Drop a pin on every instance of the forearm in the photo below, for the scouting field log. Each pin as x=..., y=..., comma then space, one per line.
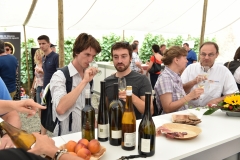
x=174, y=106
x=66, y=156
x=138, y=103
x=13, y=119
x=67, y=101
x=189, y=85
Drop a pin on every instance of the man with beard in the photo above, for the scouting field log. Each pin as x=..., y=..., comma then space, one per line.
x=122, y=54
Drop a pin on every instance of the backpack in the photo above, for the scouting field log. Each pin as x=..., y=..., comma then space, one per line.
x=46, y=114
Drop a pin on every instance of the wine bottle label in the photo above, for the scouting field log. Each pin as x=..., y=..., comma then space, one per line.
x=128, y=92
x=129, y=139
x=145, y=145
x=102, y=130
x=116, y=134
x=1, y=120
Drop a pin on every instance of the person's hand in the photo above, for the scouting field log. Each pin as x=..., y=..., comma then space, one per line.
x=122, y=95
x=6, y=142
x=199, y=78
x=89, y=73
x=214, y=101
x=195, y=94
x=44, y=145
x=27, y=106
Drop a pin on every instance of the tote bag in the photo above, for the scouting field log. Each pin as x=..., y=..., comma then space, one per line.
x=155, y=67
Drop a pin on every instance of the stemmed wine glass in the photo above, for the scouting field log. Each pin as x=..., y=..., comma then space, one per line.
x=95, y=65
x=205, y=70
x=122, y=84
x=201, y=81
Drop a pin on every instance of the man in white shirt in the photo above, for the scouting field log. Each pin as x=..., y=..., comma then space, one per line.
x=85, y=49
x=219, y=79
x=136, y=61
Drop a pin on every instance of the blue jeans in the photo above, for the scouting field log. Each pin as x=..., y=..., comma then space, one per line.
x=38, y=98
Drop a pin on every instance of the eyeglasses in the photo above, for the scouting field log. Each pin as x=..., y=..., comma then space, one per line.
x=209, y=55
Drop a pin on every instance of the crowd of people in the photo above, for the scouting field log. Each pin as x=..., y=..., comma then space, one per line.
x=176, y=86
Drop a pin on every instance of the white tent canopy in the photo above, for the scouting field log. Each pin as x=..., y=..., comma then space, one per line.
x=162, y=16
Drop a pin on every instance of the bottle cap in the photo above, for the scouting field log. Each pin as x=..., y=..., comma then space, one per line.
x=1, y=120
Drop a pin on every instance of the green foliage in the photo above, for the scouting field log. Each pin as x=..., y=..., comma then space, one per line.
x=129, y=39
x=68, y=50
x=24, y=74
x=106, y=44
x=174, y=41
x=146, y=50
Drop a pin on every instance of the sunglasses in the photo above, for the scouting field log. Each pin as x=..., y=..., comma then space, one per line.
x=7, y=49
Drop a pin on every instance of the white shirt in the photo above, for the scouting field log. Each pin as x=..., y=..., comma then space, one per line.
x=135, y=58
x=237, y=75
x=58, y=90
x=220, y=81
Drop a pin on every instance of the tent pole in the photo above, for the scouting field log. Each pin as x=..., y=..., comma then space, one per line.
x=203, y=23
x=26, y=52
x=123, y=36
x=60, y=33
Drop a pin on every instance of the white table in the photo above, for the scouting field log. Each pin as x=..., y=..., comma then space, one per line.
x=219, y=139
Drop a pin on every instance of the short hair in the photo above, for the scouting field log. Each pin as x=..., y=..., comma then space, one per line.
x=186, y=44
x=237, y=54
x=134, y=46
x=38, y=52
x=123, y=45
x=210, y=43
x=162, y=45
x=83, y=42
x=44, y=37
x=172, y=52
x=155, y=48
x=2, y=45
x=8, y=45
x=135, y=41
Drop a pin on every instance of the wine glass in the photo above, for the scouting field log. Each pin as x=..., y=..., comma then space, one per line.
x=205, y=70
x=95, y=65
x=122, y=84
x=201, y=81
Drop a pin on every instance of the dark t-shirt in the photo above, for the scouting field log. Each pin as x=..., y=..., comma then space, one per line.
x=50, y=65
x=140, y=84
x=18, y=154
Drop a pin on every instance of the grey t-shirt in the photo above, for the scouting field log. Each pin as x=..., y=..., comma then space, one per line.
x=140, y=84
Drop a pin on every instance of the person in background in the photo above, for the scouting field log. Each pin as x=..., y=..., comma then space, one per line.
x=122, y=54
x=234, y=67
x=9, y=50
x=169, y=91
x=136, y=42
x=53, y=47
x=8, y=69
x=136, y=61
x=156, y=57
x=11, y=117
x=162, y=49
x=50, y=63
x=191, y=56
x=38, y=79
x=219, y=78
x=85, y=48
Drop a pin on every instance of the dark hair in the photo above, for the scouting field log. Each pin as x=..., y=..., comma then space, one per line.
x=83, y=42
x=210, y=43
x=44, y=37
x=155, y=48
x=2, y=49
x=237, y=54
x=124, y=45
x=186, y=44
x=172, y=52
x=8, y=45
x=135, y=41
x=134, y=46
x=162, y=45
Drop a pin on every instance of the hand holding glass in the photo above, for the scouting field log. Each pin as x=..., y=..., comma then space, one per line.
x=122, y=84
x=95, y=65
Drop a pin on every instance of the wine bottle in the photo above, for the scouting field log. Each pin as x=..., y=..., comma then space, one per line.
x=146, y=130
x=88, y=118
x=20, y=138
x=103, y=115
x=128, y=123
x=115, y=119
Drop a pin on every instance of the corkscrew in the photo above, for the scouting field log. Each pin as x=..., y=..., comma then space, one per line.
x=131, y=157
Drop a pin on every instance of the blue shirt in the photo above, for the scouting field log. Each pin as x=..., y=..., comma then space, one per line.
x=4, y=94
x=50, y=65
x=8, y=68
x=192, y=56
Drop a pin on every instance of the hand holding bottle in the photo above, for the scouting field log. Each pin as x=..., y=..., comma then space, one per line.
x=122, y=95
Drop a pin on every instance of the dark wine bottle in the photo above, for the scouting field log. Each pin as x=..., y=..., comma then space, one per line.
x=115, y=119
x=88, y=118
x=146, y=130
x=103, y=124
x=128, y=123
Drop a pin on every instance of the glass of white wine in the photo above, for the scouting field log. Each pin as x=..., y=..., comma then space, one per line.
x=201, y=81
x=205, y=70
x=122, y=84
x=95, y=65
